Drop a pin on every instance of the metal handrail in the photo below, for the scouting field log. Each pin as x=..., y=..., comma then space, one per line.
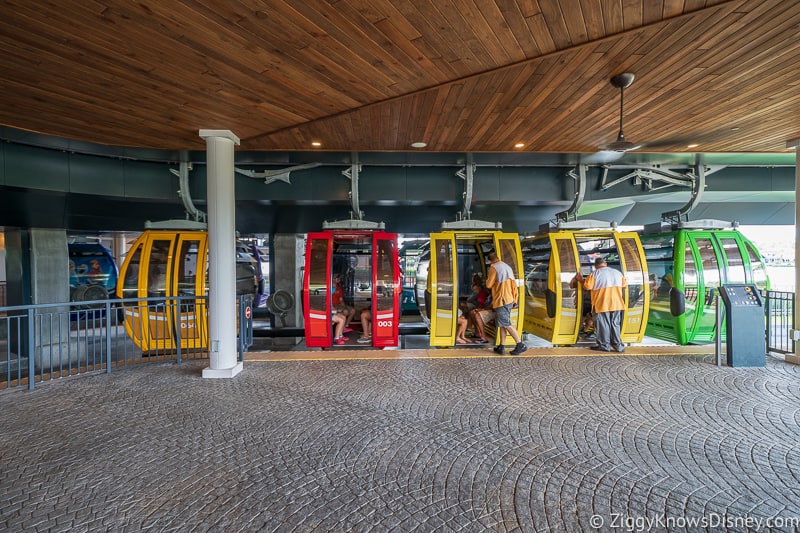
x=42, y=342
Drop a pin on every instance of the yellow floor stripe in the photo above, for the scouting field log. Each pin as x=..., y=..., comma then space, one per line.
x=466, y=353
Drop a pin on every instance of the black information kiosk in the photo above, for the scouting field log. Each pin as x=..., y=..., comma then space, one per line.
x=744, y=325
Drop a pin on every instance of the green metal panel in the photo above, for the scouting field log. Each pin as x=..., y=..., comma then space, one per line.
x=433, y=184
x=383, y=184
x=35, y=168
x=143, y=179
x=531, y=184
x=320, y=184
x=409, y=191
x=96, y=175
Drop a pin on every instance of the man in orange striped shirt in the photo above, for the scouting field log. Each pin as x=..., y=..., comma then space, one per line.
x=504, y=297
x=608, y=302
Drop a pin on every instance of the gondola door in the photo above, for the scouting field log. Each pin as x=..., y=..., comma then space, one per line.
x=509, y=251
x=703, y=327
x=387, y=288
x=189, y=278
x=130, y=275
x=154, y=283
x=442, y=277
x=316, y=290
x=148, y=324
x=729, y=258
x=551, y=310
x=565, y=299
x=637, y=298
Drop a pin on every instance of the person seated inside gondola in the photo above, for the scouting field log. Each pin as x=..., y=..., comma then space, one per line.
x=480, y=295
x=584, y=309
x=337, y=302
x=338, y=319
x=587, y=322
x=477, y=299
x=481, y=316
x=366, y=326
x=461, y=329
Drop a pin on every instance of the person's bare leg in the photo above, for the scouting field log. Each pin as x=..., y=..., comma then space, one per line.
x=480, y=327
x=338, y=321
x=462, y=328
x=366, y=326
x=471, y=325
x=348, y=316
x=513, y=332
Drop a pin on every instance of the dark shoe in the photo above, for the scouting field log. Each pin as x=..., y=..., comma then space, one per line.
x=599, y=348
x=519, y=348
x=621, y=349
x=500, y=350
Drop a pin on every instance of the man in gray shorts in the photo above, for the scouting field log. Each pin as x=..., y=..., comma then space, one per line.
x=504, y=297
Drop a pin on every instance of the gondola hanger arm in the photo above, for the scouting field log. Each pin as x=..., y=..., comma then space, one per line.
x=357, y=220
x=468, y=175
x=352, y=173
x=571, y=213
x=649, y=175
x=281, y=174
x=183, y=191
x=698, y=186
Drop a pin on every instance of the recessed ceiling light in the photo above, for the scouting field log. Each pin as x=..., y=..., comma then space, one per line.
x=519, y=145
x=316, y=143
x=419, y=144
x=692, y=145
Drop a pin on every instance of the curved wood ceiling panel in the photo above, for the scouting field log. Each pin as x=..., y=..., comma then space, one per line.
x=376, y=75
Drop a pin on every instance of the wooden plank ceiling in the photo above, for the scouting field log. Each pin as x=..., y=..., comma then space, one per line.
x=377, y=75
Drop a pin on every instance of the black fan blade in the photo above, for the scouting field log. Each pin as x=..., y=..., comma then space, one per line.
x=682, y=142
x=602, y=157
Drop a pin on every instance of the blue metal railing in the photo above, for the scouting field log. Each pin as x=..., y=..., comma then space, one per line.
x=779, y=312
x=44, y=342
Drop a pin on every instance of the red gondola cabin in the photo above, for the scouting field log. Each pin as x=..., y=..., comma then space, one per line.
x=366, y=263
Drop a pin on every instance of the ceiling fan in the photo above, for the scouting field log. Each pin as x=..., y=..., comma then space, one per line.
x=616, y=149
x=621, y=82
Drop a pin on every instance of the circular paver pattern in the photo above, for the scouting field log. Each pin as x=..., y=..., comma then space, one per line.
x=495, y=444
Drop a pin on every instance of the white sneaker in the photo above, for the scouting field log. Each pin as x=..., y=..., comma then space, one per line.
x=364, y=340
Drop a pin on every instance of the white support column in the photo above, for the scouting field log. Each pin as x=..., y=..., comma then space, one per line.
x=120, y=247
x=796, y=332
x=222, y=352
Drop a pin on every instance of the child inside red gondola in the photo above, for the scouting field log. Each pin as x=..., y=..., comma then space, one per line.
x=341, y=313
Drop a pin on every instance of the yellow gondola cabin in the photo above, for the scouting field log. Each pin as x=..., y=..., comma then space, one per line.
x=445, y=272
x=554, y=305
